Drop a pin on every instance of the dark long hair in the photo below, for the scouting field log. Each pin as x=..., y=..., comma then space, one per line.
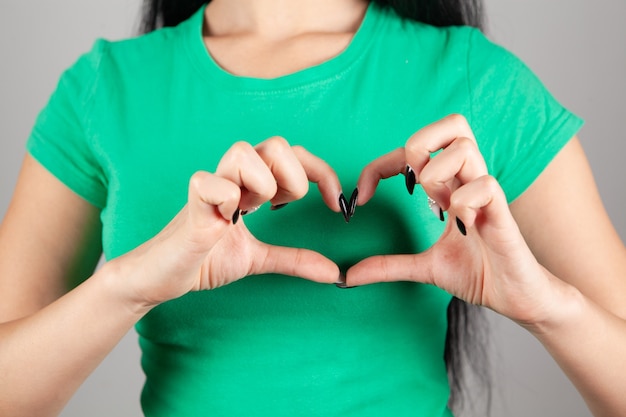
x=467, y=334
x=160, y=13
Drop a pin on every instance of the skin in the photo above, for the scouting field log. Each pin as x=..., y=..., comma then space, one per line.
x=562, y=283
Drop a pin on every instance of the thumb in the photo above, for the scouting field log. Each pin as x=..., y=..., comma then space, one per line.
x=296, y=262
x=388, y=268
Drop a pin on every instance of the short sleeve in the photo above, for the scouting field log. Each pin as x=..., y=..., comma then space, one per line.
x=519, y=125
x=61, y=139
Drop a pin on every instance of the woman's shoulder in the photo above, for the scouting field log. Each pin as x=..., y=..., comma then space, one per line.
x=418, y=32
x=444, y=51
x=464, y=42
x=140, y=52
x=136, y=54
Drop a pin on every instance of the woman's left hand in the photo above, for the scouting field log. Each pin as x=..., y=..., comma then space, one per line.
x=481, y=257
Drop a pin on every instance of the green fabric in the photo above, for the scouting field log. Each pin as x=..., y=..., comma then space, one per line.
x=131, y=121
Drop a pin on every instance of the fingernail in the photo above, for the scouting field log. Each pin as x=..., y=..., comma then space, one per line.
x=249, y=211
x=409, y=177
x=343, y=204
x=236, y=216
x=341, y=283
x=461, y=227
x=353, y=200
x=277, y=206
x=436, y=209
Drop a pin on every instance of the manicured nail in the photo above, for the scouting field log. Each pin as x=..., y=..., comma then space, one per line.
x=341, y=283
x=249, y=211
x=236, y=216
x=409, y=177
x=436, y=209
x=345, y=210
x=461, y=227
x=277, y=206
x=353, y=200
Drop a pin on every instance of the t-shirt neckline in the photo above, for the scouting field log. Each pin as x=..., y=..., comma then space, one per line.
x=322, y=72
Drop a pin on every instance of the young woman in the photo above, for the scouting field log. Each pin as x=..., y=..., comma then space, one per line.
x=157, y=150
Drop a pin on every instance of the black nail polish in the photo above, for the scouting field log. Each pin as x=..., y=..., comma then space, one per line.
x=341, y=283
x=343, y=204
x=409, y=177
x=353, y=200
x=277, y=206
x=236, y=216
x=461, y=227
x=249, y=211
x=443, y=219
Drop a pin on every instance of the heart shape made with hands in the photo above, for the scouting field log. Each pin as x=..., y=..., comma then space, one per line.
x=227, y=248
x=383, y=226
x=383, y=241
x=279, y=173
x=444, y=158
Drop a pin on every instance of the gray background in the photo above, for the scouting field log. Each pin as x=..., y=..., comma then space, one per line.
x=577, y=47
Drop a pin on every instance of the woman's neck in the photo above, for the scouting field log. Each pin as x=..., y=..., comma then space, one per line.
x=271, y=38
x=282, y=19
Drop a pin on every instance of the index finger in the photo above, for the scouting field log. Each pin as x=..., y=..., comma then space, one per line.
x=429, y=139
x=386, y=166
x=319, y=172
x=416, y=154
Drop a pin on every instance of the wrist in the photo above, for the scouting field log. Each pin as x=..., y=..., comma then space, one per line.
x=564, y=306
x=116, y=281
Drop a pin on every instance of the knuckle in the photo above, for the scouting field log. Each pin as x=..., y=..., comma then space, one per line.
x=412, y=145
x=491, y=184
x=197, y=179
x=298, y=149
x=239, y=150
x=458, y=119
x=465, y=144
x=275, y=145
x=278, y=141
x=415, y=149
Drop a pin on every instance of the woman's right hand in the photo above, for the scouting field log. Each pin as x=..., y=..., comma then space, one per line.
x=207, y=245
x=200, y=249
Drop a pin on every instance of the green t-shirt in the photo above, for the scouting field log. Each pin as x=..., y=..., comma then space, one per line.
x=131, y=121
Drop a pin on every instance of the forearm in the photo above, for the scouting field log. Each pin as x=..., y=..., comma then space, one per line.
x=588, y=343
x=46, y=356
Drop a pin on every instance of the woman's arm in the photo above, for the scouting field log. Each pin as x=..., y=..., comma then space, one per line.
x=49, y=236
x=566, y=226
x=48, y=231
x=564, y=222
x=565, y=285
